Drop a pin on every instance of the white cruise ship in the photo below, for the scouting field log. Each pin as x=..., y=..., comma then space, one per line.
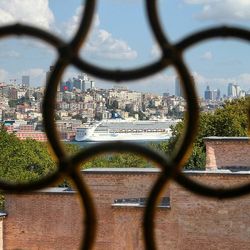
x=125, y=130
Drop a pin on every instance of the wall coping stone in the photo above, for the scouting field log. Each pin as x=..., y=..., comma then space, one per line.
x=132, y=171
x=223, y=138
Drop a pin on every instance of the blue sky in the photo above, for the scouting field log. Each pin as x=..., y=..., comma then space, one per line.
x=121, y=38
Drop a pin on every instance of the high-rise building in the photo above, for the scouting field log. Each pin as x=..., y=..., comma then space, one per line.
x=208, y=93
x=83, y=78
x=26, y=81
x=238, y=90
x=92, y=84
x=178, y=87
x=77, y=83
x=211, y=94
x=231, y=90
x=217, y=94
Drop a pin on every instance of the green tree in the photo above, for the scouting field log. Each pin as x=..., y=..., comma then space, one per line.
x=229, y=120
x=23, y=161
x=118, y=160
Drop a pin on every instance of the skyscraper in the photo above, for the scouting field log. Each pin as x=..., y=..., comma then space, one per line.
x=83, y=78
x=211, y=94
x=231, y=90
x=178, y=87
x=208, y=93
x=26, y=81
x=92, y=84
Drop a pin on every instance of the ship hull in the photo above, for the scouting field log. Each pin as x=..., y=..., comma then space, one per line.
x=105, y=138
x=125, y=131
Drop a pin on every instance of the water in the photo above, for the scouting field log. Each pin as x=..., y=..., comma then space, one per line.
x=84, y=144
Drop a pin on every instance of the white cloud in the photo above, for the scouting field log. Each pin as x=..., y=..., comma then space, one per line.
x=9, y=54
x=72, y=25
x=226, y=10
x=104, y=45
x=101, y=43
x=33, y=12
x=155, y=51
x=207, y=56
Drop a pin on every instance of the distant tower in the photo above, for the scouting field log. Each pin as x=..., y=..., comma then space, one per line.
x=207, y=93
x=229, y=89
x=26, y=81
x=218, y=94
x=238, y=90
x=232, y=90
x=178, y=87
x=83, y=78
x=92, y=84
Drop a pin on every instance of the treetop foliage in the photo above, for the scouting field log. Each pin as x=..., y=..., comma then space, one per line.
x=231, y=120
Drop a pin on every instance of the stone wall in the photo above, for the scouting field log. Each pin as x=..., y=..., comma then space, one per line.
x=53, y=220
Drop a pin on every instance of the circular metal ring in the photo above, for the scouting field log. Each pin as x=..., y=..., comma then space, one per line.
x=68, y=53
x=170, y=56
x=193, y=39
x=89, y=220
x=149, y=213
x=84, y=26
x=201, y=189
x=160, y=159
x=19, y=29
x=127, y=75
x=182, y=152
x=154, y=22
x=184, y=146
x=171, y=168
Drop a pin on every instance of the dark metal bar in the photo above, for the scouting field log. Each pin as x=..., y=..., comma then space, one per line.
x=68, y=166
x=89, y=217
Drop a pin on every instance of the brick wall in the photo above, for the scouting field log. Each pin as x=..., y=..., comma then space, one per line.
x=1, y=233
x=227, y=152
x=48, y=220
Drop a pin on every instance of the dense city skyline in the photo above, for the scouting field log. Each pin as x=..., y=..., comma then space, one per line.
x=118, y=44
x=89, y=82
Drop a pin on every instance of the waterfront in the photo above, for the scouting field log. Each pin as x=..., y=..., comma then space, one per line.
x=84, y=144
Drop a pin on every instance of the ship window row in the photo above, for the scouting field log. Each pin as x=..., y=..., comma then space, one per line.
x=137, y=130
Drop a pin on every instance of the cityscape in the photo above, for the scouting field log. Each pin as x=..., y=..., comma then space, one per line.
x=182, y=185
x=80, y=102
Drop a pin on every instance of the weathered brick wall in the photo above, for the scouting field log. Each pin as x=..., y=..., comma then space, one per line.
x=42, y=221
x=1, y=233
x=200, y=223
x=53, y=220
x=223, y=152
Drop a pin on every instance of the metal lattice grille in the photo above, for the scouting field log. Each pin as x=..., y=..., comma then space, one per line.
x=171, y=55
